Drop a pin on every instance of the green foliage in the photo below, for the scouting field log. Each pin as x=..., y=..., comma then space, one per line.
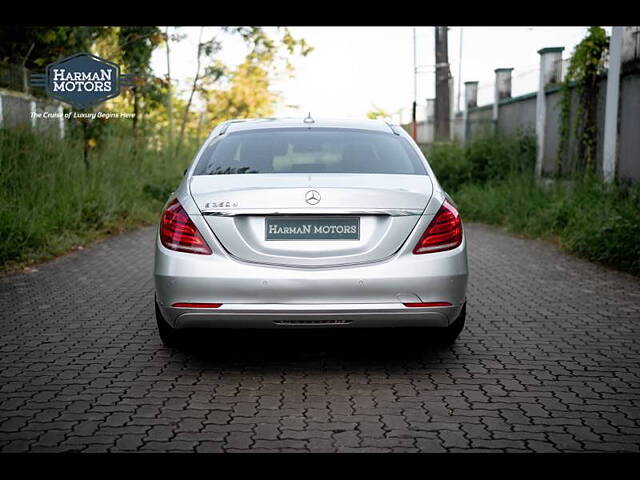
x=498, y=156
x=265, y=49
x=136, y=45
x=245, y=91
x=35, y=47
x=587, y=218
x=491, y=179
x=50, y=203
x=450, y=164
x=586, y=64
x=378, y=112
x=485, y=158
x=247, y=95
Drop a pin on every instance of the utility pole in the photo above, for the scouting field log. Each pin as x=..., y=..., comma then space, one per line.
x=443, y=99
x=414, y=126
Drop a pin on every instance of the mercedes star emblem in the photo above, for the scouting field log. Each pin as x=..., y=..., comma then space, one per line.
x=312, y=197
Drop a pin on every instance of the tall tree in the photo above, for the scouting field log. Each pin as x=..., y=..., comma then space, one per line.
x=244, y=91
x=246, y=94
x=137, y=45
x=205, y=49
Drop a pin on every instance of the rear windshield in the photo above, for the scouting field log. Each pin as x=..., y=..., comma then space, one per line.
x=316, y=150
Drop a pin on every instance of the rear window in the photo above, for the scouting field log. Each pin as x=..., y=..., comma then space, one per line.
x=317, y=150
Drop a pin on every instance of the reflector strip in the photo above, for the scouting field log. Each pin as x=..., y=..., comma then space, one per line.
x=197, y=305
x=428, y=304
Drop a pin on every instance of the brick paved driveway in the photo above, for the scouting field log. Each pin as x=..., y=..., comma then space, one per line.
x=549, y=361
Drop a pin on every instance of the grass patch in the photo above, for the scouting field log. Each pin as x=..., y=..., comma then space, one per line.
x=50, y=202
x=585, y=217
x=491, y=180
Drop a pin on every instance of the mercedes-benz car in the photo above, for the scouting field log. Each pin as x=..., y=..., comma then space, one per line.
x=304, y=223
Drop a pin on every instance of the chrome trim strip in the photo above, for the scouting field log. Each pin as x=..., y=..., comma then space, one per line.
x=392, y=212
x=306, y=266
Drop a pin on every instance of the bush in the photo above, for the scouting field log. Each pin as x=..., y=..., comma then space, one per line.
x=450, y=164
x=497, y=157
x=483, y=159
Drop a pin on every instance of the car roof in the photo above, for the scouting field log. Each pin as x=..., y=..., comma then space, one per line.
x=299, y=122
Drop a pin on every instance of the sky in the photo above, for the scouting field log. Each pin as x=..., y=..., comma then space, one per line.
x=353, y=70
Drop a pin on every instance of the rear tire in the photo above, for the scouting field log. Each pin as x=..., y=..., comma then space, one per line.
x=170, y=336
x=448, y=335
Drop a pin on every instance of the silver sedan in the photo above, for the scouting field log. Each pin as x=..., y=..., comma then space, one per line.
x=287, y=223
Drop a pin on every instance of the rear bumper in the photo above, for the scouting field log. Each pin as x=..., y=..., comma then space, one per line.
x=267, y=296
x=306, y=316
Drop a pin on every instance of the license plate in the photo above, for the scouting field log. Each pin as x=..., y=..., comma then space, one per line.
x=312, y=228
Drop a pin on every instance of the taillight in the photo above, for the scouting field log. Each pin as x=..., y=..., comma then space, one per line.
x=443, y=233
x=177, y=231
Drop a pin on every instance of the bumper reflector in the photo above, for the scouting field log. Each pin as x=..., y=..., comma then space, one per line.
x=196, y=305
x=428, y=304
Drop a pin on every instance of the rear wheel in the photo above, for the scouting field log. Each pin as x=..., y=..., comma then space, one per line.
x=170, y=336
x=448, y=335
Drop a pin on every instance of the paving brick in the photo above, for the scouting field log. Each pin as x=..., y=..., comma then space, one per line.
x=308, y=434
x=210, y=447
x=160, y=433
x=240, y=440
x=129, y=443
x=13, y=424
x=429, y=445
x=16, y=446
x=174, y=445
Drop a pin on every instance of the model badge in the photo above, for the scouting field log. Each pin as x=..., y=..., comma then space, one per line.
x=312, y=197
x=220, y=204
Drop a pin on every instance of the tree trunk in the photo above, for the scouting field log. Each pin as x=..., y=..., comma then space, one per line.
x=185, y=117
x=85, y=143
x=169, y=93
x=136, y=108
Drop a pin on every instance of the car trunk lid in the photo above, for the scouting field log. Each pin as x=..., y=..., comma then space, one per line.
x=274, y=218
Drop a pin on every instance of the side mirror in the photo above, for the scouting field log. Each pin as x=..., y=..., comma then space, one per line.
x=185, y=172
